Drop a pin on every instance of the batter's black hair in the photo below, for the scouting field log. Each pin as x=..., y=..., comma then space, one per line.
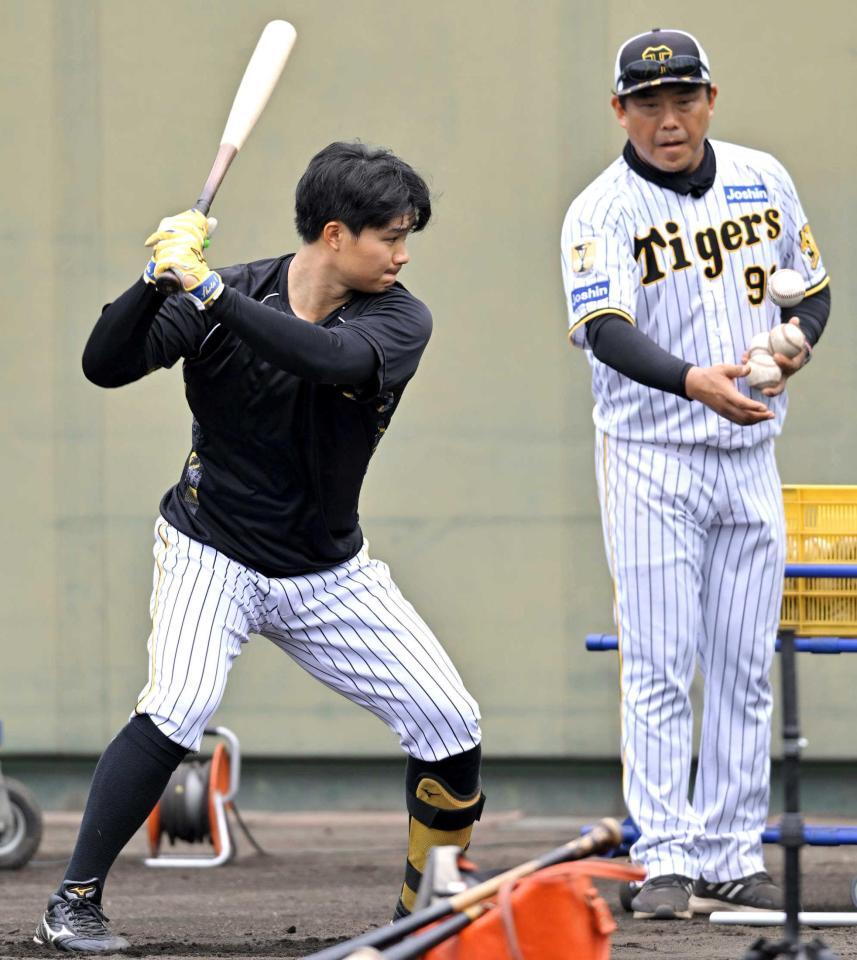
x=361, y=186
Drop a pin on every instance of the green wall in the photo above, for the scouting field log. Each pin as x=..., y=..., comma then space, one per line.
x=482, y=498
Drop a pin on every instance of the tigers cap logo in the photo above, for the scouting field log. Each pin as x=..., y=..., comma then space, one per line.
x=660, y=53
x=583, y=256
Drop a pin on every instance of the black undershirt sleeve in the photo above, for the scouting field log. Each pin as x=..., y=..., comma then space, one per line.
x=115, y=352
x=813, y=313
x=142, y=331
x=623, y=347
x=320, y=354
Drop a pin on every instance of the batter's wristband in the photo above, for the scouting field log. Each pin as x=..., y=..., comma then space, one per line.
x=431, y=816
x=209, y=290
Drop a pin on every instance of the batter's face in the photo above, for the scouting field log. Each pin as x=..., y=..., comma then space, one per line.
x=370, y=261
x=667, y=124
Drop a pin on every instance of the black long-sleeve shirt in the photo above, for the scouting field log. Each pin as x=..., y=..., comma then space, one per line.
x=286, y=413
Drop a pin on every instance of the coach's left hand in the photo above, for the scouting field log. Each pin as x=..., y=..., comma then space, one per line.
x=788, y=365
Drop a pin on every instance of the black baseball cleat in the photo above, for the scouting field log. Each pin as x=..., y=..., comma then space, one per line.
x=756, y=892
x=75, y=922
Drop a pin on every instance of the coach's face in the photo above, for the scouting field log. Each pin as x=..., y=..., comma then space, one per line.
x=371, y=260
x=667, y=124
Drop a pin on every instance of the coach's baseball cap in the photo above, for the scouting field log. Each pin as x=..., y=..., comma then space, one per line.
x=660, y=56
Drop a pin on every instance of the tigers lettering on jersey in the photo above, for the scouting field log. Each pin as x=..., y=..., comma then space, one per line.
x=708, y=244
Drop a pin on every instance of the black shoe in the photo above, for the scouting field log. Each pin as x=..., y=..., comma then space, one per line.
x=75, y=922
x=756, y=892
x=664, y=898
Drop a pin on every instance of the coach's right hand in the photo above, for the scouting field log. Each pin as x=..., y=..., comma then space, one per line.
x=715, y=387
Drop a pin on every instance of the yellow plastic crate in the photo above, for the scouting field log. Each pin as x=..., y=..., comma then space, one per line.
x=821, y=527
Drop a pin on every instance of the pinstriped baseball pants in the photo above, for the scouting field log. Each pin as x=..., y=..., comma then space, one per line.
x=695, y=538
x=349, y=626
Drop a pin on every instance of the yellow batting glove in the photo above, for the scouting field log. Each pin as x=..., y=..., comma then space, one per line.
x=178, y=244
x=191, y=224
x=192, y=228
x=181, y=255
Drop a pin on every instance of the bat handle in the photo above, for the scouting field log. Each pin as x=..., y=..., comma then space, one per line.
x=168, y=282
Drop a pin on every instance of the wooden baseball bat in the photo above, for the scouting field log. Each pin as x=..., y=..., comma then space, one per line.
x=604, y=835
x=260, y=77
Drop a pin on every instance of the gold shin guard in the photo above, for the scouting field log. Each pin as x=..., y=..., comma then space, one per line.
x=439, y=817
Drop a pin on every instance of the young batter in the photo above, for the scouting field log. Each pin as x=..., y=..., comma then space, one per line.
x=293, y=368
x=666, y=257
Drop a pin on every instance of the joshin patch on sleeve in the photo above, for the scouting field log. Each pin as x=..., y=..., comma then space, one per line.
x=592, y=293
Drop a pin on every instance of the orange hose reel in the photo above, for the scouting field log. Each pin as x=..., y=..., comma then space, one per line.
x=194, y=805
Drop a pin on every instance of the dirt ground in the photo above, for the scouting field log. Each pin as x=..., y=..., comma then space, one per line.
x=329, y=876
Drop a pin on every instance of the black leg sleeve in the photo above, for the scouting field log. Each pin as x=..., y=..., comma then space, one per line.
x=130, y=778
x=460, y=772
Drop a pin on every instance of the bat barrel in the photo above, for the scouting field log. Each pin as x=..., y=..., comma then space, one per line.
x=260, y=77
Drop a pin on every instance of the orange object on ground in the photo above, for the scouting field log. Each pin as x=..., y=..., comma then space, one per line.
x=553, y=914
x=218, y=782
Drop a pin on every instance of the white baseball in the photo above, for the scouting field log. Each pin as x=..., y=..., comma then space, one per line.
x=760, y=344
x=787, y=339
x=786, y=287
x=764, y=372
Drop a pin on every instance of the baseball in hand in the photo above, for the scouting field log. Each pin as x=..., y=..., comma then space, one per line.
x=759, y=344
x=787, y=339
x=764, y=372
x=786, y=287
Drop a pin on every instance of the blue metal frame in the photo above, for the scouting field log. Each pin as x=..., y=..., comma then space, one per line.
x=814, y=836
x=609, y=641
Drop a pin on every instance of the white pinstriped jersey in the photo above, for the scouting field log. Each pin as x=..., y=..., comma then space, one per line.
x=692, y=274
